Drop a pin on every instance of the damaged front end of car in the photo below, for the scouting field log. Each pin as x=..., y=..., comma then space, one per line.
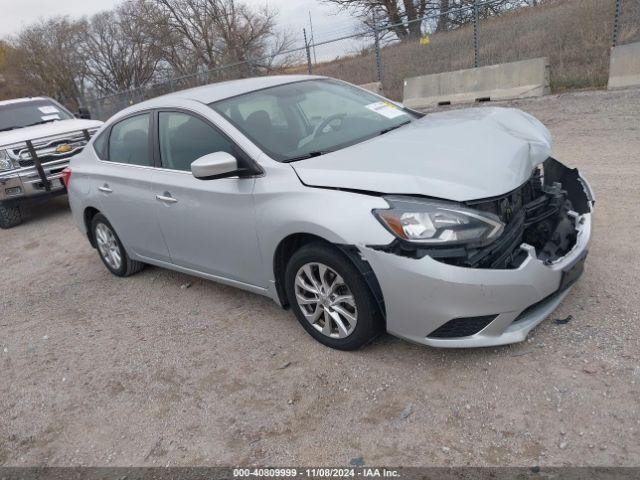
x=483, y=272
x=544, y=214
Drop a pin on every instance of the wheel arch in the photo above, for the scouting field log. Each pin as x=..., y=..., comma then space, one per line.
x=293, y=242
x=88, y=214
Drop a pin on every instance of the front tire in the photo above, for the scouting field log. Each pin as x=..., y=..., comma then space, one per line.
x=110, y=248
x=330, y=298
x=10, y=216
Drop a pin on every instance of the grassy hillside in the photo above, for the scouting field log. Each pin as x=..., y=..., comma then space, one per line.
x=574, y=34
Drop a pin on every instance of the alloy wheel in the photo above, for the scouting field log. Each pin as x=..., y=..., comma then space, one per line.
x=108, y=246
x=326, y=300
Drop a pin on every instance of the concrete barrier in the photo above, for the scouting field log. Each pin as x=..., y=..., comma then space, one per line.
x=375, y=87
x=624, y=69
x=525, y=78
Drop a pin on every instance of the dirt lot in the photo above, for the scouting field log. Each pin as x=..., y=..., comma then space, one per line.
x=97, y=370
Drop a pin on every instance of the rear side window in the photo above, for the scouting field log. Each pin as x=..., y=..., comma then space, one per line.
x=185, y=138
x=100, y=145
x=129, y=141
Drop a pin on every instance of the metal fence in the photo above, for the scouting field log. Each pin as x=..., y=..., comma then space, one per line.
x=374, y=54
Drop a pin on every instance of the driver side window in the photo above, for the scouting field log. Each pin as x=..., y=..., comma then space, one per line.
x=317, y=106
x=185, y=138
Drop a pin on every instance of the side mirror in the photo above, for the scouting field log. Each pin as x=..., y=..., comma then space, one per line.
x=215, y=165
x=83, y=113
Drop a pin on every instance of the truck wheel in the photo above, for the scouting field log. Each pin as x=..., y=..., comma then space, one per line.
x=10, y=216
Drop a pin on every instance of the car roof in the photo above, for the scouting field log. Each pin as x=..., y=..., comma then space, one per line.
x=219, y=91
x=20, y=100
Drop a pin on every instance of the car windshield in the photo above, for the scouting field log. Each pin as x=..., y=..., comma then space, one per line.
x=30, y=112
x=305, y=119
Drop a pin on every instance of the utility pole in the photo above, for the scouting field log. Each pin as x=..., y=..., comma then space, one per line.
x=476, y=35
x=616, y=23
x=376, y=38
x=306, y=47
x=313, y=39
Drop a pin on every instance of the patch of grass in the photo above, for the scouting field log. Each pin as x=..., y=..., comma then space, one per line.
x=576, y=35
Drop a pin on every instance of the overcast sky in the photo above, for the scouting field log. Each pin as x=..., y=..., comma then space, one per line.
x=293, y=15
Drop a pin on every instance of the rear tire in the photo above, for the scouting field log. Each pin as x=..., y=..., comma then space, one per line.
x=10, y=216
x=111, y=250
x=330, y=297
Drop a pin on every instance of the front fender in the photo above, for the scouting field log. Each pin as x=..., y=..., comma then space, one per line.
x=284, y=206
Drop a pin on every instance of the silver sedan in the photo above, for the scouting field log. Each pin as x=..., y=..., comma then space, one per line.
x=454, y=229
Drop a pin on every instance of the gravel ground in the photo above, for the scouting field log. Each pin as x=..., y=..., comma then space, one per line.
x=97, y=370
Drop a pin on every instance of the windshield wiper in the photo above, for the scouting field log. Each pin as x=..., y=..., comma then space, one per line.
x=387, y=130
x=316, y=153
x=9, y=128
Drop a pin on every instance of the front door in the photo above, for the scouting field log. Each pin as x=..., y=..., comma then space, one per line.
x=208, y=225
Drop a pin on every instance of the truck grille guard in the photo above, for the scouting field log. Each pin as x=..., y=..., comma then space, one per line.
x=35, y=153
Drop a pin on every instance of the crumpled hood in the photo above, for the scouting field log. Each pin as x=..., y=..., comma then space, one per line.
x=46, y=130
x=458, y=155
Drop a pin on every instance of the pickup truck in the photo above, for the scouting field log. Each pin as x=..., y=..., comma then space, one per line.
x=38, y=136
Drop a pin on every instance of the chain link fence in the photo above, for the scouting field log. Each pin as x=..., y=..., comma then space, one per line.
x=576, y=36
x=627, y=22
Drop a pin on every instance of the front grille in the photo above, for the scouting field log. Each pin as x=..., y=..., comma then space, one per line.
x=536, y=214
x=514, y=210
x=504, y=251
x=508, y=206
x=462, y=327
x=49, y=158
x=46, y=148
x=532, y=214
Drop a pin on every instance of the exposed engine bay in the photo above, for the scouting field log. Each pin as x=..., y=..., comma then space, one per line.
x=542, y=213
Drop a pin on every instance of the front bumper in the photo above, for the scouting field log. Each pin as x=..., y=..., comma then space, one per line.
x=421, y=295
x=25, y=184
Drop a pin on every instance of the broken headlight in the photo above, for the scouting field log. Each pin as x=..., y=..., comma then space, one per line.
x=438, y=223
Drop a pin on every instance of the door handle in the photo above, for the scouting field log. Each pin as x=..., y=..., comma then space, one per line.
x=105, y=188
x=167, y=199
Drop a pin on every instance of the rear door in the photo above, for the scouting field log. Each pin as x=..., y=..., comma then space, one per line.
x=208, y=225
x=124, y=187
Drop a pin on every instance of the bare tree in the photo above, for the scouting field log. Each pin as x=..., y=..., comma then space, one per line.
x=248, y=35
x=462, y=11
x=410, y=19
x=204, y=34
x=142, y=41
x=118, y=52
x=47, y=58
x=400, y=17
x=442, y=23
x=10, y=84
